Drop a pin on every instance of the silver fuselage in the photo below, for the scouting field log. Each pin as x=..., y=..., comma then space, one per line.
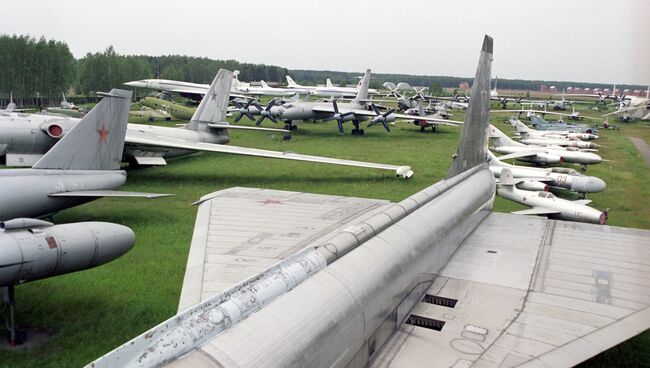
x=26, y=192
x=304, y=110
x=24, y=138
x=576, y=183
x=568, y=210
x=553, y=156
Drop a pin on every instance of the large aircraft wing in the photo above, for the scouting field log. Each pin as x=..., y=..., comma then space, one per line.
x=518, y=291
x=532, y=292
x=142, y=138
x=107, y=193
x=246, y=230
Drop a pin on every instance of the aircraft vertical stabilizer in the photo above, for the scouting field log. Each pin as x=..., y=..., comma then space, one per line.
x=471, y=149
x=214, y=105
x=362, y=91
x=97, y=142
x=291, y=82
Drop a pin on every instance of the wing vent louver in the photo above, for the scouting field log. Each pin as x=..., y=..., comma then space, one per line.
x=440, y=300
x=430, y=323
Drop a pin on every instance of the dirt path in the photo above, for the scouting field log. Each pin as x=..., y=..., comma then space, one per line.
x=643, y=148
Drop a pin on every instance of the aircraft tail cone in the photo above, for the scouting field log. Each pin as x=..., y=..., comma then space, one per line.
x=604, y=216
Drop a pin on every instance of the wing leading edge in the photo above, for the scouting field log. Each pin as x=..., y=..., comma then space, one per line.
x=148, y=139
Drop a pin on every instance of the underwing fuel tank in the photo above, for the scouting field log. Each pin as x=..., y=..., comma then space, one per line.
x=33, y=249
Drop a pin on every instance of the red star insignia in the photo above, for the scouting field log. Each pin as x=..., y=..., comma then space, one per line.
x=269, y=201
x=103, y=134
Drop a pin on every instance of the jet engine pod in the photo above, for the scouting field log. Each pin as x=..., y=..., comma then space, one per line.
x=36, y=253
x=532, y=185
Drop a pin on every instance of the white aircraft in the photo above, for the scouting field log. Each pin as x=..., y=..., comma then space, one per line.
x=636, y=107
x=264, y=90
x=196, y=91
x=330, y=90
x=545, y=138
x=537, y=178
x=530, y=132
x=538, y=155
x=547, y=204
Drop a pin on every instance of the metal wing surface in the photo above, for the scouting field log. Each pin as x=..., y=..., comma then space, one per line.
x=108, y=193
x=242, y=231
x=142, y=138
x=527, y=291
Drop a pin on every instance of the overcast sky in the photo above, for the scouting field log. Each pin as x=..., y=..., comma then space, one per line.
x=602, y=41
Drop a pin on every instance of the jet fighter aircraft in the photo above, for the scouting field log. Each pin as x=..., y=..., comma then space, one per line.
x=537, y=178
x=546, y=204
x=539, y=155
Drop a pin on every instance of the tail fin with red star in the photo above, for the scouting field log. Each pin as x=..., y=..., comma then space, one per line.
x=97, y=142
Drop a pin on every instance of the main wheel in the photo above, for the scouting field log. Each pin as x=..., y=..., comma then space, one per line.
x=362, y=132
x=294, y=128
x=422, y=128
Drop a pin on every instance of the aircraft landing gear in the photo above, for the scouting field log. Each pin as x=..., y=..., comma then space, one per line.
x=422, y=128
x=357, y=130
x=583, y=168
x=288, y=125
x=14, y=336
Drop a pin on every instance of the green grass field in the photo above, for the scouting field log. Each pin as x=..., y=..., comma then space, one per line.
x=89, y=313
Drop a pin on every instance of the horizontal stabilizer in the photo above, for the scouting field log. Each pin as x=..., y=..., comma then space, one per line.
x=108, y=193
x=536, y=211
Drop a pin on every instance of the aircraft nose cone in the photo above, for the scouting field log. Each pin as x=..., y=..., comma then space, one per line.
x=113, y=240
x=594, y=158
x=596, y=184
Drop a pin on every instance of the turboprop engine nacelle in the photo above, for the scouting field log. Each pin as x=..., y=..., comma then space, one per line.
x=34, y=249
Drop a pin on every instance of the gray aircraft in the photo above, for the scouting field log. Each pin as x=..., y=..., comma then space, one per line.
x=565, y=134
x=545, y=138
x=544, y=203
x=29, y=136
x=539, y=155
x=356, y=111
x=34, y=249
x=434, y=280
x=537, y=178
x=81, y=167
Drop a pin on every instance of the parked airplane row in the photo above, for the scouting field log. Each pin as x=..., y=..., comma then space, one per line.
x=382, y=284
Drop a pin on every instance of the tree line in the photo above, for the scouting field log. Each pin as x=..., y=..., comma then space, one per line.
x=435, y=83
x=44, y=68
